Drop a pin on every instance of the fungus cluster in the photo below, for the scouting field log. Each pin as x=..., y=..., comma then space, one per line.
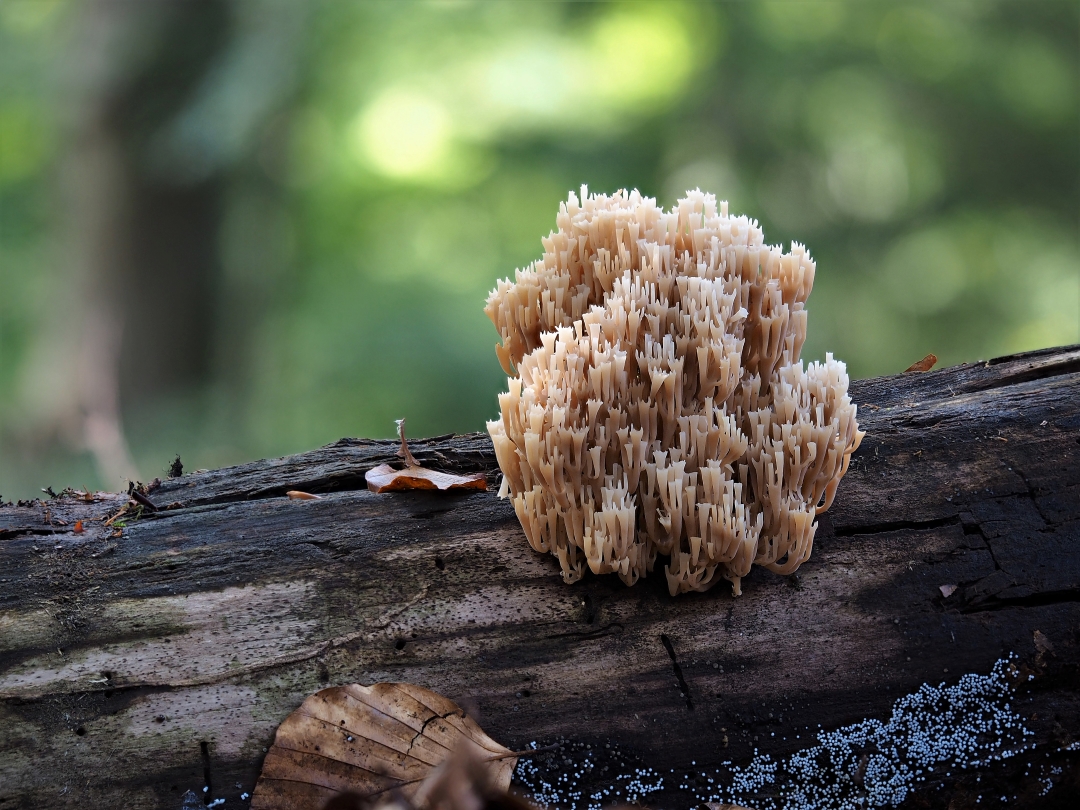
x=657, y=403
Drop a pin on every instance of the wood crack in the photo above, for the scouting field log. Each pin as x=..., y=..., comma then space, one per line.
x=423, y=727
x=895, y=526
x=1058, y=365
x=22, y=531
x=677, y=670
x=1031, y=494
x=613, y=628
x=1042, y=599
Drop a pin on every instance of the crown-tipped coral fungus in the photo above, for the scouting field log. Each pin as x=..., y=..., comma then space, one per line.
x=657, y=403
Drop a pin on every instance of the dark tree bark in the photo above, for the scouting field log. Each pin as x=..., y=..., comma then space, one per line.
x=140, y=661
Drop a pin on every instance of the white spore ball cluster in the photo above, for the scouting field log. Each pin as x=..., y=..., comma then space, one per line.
x=584, y=776
x=937, y=730
x=874, y=764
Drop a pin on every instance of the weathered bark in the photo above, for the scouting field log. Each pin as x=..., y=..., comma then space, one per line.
x=136, y=667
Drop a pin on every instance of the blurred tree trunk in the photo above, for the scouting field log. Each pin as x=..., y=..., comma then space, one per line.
x=135, y=318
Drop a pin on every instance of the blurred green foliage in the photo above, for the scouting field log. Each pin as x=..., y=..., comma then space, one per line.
x=391, y=160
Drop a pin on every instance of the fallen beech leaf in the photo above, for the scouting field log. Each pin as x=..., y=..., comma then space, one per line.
x=370, y=740
x=385, y=478
x=78, y=527
x=297, y=495
x=947, y=590
x=925, y=364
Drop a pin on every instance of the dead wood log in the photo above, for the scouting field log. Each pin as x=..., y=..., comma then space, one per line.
x=143, y=660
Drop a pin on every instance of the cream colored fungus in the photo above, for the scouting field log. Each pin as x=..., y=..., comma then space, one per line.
x=659, y=405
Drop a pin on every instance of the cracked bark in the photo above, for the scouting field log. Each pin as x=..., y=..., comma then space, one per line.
x=209, y=623
x=683, y=688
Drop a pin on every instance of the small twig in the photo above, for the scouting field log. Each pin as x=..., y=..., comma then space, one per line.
x=404, y=451
x=123, y=511
x=139, y=498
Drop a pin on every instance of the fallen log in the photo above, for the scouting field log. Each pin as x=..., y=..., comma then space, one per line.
x=156, y=654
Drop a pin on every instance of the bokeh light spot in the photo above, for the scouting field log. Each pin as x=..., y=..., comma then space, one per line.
x=641, y=52
x=402, y=134
x=530, y=78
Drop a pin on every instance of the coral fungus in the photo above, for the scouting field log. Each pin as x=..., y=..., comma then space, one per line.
x=659, y=405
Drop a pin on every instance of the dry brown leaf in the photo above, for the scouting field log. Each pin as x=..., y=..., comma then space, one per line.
x=385, y=478
x=297, y=495
x=925, y=364
x=369, y=740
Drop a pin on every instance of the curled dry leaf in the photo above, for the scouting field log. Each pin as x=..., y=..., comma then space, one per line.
x=925, y=364
x=297, y=495
x=385, y=478
x=370, y=740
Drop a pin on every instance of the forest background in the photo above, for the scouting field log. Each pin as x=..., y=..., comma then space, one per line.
x=233, y=229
